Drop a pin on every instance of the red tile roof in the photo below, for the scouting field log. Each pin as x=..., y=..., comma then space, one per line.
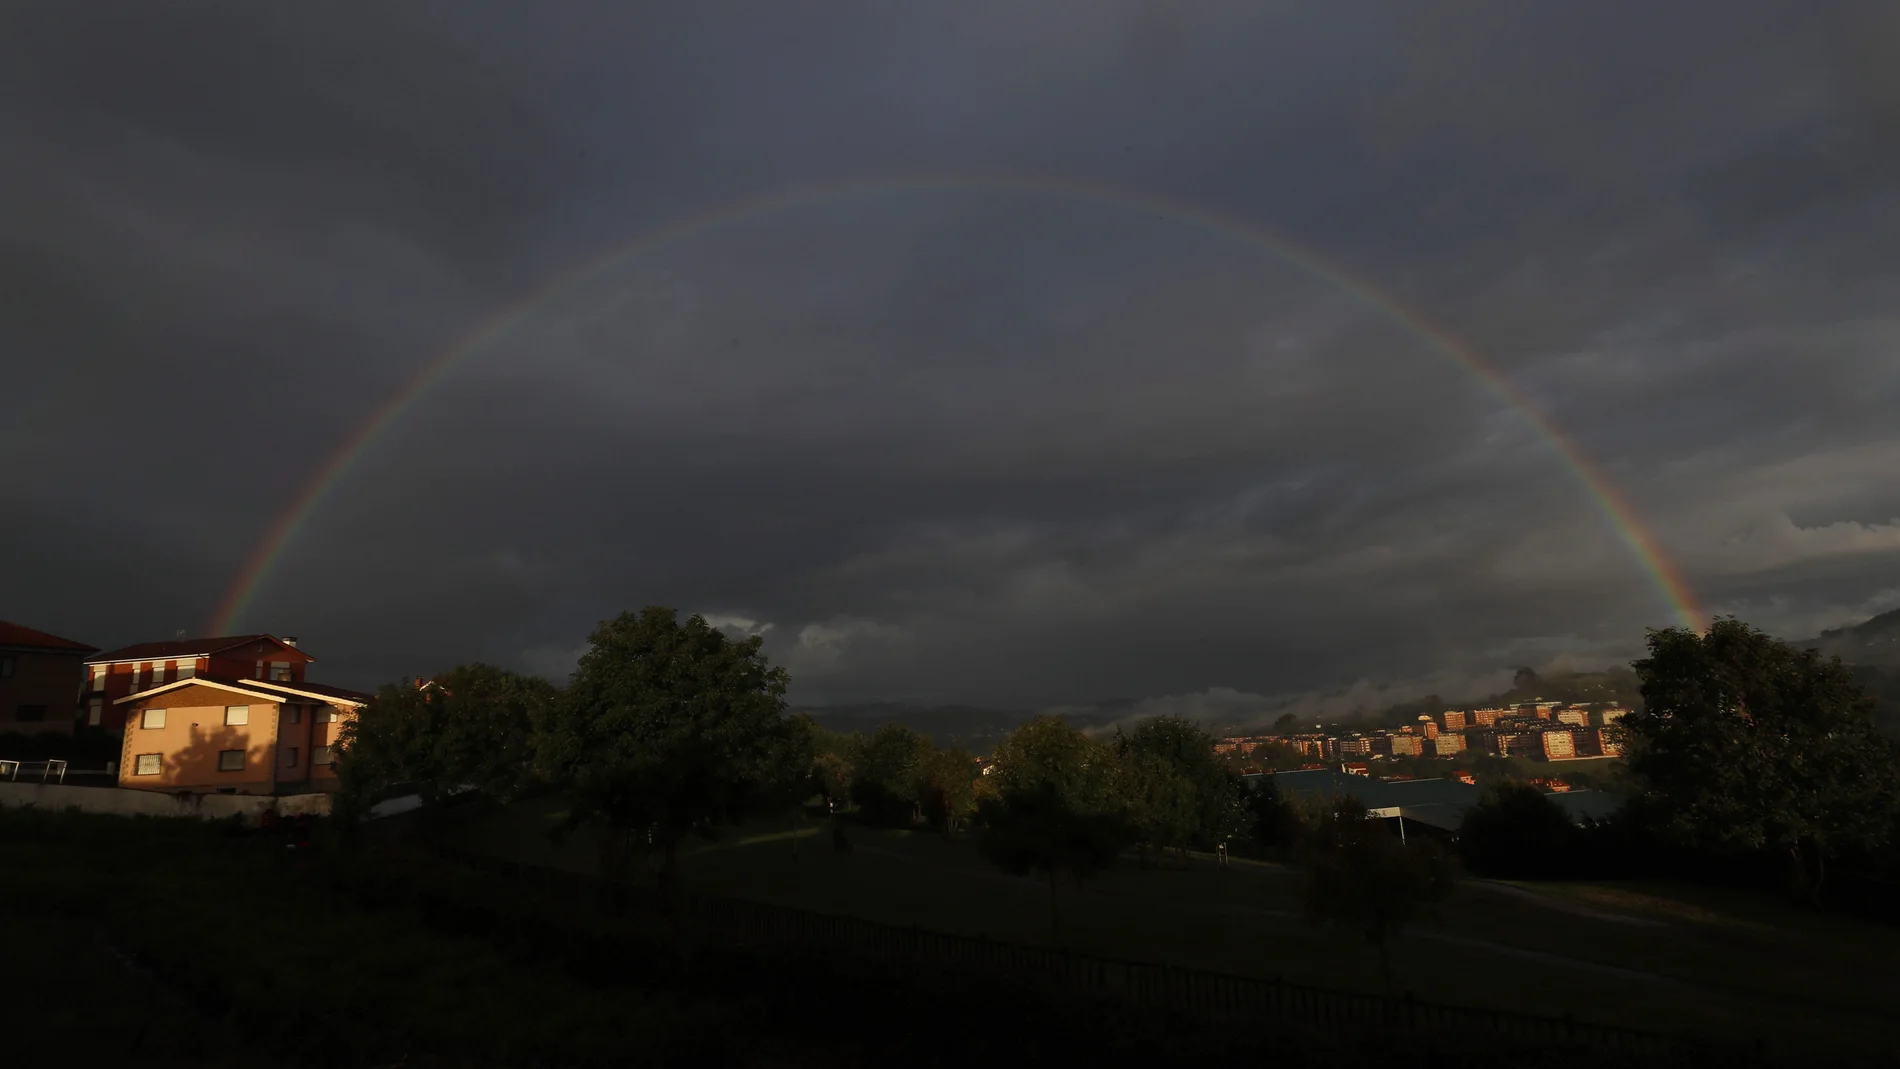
x=16, y=635
x=191, y=647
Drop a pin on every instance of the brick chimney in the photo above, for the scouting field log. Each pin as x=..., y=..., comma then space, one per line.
x=291, y=641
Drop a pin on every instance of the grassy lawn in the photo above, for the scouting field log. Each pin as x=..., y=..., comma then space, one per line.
x=1641, y=956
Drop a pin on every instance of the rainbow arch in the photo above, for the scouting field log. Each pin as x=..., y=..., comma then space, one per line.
x=1623, y=519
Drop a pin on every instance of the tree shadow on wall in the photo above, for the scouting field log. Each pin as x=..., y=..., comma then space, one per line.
x=195, y=765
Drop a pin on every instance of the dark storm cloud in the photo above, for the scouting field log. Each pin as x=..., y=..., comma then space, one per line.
x=973, y=444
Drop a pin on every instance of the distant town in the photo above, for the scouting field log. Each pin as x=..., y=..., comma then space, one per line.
x=1537, y=730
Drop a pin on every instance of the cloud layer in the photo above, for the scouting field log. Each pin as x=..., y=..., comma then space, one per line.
x=987, y=443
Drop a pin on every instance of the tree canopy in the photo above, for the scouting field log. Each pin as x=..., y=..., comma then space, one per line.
x=1747, y=743
x=668, y=729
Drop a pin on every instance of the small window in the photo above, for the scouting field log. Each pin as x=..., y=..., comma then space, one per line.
x=152, y=718
x=145, y=764
x=6, y=667
x=237, y=715
x=230, y=760
x=290, y=757
x=322, y=755
x=99, y=677
x=260, y=670
x=326, y=715
x=95, y=712
x=295, y=712
x=186, y=669
x=280, y=671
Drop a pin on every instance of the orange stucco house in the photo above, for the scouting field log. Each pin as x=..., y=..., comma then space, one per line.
x=206, y=734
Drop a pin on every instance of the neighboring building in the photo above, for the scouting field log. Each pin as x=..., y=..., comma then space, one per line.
x=1540, y=710
x=1608, y=743
x=1456, y=720
x=39, y=680
x=1576, y=714
x=1558, y=745
x=1519, y=744
x=1427, y=726
x=214, y=734
x=112, y=676
x=1355, y=746
x=1487, y=717
x=1407, y=746
x=1446, y=745
x=1611, y=714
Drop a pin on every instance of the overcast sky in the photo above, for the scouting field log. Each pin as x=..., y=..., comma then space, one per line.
x=991, y=442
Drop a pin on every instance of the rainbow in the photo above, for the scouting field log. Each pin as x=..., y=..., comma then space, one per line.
x=1615, y=508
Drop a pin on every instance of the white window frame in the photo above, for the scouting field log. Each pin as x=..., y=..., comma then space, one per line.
x=186, y=670
x=240, y=760
x=99, y=677
x=95, y=712
x=237, y=716
x=138, y=764
x=146, y=720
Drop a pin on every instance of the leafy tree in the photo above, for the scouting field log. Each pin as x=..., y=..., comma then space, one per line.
x=1046, y=806
x=946, y=787
x=1517, y=831
x=668, y=729
x=831, y=774
x=1285, y=724
x=1748, y=744
x=1178, y=793
x=884, y=773
x=1360, y=876
x=472, y=726
x=1274, y=826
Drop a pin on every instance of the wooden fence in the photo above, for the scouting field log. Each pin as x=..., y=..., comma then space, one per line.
x=1197, y=994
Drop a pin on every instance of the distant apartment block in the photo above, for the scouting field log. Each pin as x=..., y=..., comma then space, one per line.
x=1428, y=727
x=1488, y=717
x=1455, y=720
x=39, y=680
x=1407, y=746
x=1611, y=714
x=1539, y=710
x=1446, y=745
x=1356, y=746
x=1558, y=745
x=1576, y=715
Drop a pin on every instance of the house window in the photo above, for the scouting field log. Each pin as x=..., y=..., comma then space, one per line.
x=99, y=677
x=295, y=712
x=290, y=757
x=322, y=755
x=6, y=667
x=152, y=718
x=326, y=715
x=237, y=715
x=230, y=760
x=145, y=764
x=30, y=714
x=95, y=712
x=280, y=671
x=186, y=669
x=259, y=673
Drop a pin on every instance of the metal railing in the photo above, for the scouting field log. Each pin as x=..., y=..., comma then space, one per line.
x=53, y=769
